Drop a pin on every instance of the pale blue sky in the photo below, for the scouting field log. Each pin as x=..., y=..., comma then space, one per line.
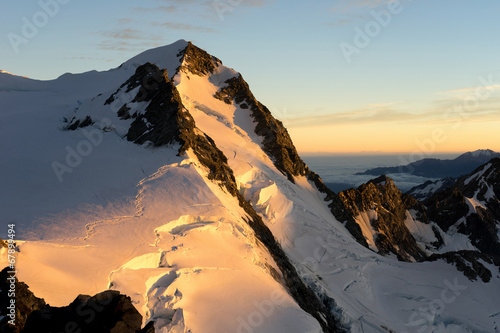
x=289, y=52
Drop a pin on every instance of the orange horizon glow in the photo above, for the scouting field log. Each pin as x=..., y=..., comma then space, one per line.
x=371, y=139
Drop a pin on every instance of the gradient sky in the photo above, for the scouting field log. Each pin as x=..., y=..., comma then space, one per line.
x=426, y=79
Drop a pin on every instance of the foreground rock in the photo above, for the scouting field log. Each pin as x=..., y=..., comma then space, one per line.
x=106, y=312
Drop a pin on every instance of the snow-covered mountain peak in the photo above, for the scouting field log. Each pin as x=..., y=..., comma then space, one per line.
x=167, y=180
x=482, y=155
x=483, y=152
x=165, y=57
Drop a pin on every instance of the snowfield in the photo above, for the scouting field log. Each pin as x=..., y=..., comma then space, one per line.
x=111, y=214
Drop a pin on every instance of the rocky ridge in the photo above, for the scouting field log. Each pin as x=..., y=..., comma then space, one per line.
x=105, y=312
x=469, y=207
x=166, y=121
x=383, y=197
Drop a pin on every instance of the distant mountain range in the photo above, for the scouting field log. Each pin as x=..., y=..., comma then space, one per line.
x=437, y=168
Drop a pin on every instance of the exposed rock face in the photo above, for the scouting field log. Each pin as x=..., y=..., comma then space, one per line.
x=166, y=121
x=77, y=123
x=163, y=121
x=25, y=303
x=472, y=206
x=469, y=263
x=108, y=311
x=198, y=61
x=390, y=205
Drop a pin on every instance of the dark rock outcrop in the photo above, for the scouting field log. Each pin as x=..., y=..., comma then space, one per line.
x=197, y=61
x=108, y=311
x=391, y=206
x=25, y=302
x=79, y=123
x=469, y=262
x=453, y=207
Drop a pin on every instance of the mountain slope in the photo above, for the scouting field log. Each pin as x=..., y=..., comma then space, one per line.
x=427, y=189
x=471, y=207
x=382, y=211
x=183, y=192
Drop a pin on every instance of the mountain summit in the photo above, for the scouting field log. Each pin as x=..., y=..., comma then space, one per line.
x=166, y=181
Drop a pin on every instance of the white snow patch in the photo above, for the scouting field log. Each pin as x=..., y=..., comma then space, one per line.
x=454, y=240
x=422, y=232
x=477, y=174
x=364, y=220
x=431, y=188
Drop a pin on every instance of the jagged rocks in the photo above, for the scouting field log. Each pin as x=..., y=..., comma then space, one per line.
x=106, y=312
x=25, y=302
x=383, y=197
x=447, y=207
x=77, y=123
x=164, y=119
x=472, y=207
x=198, y=61
x=469, y=262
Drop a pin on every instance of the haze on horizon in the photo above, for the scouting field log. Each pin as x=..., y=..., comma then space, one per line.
x=354, y=76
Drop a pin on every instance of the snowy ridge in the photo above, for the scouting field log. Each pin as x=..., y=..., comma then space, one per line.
x=427, y=189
